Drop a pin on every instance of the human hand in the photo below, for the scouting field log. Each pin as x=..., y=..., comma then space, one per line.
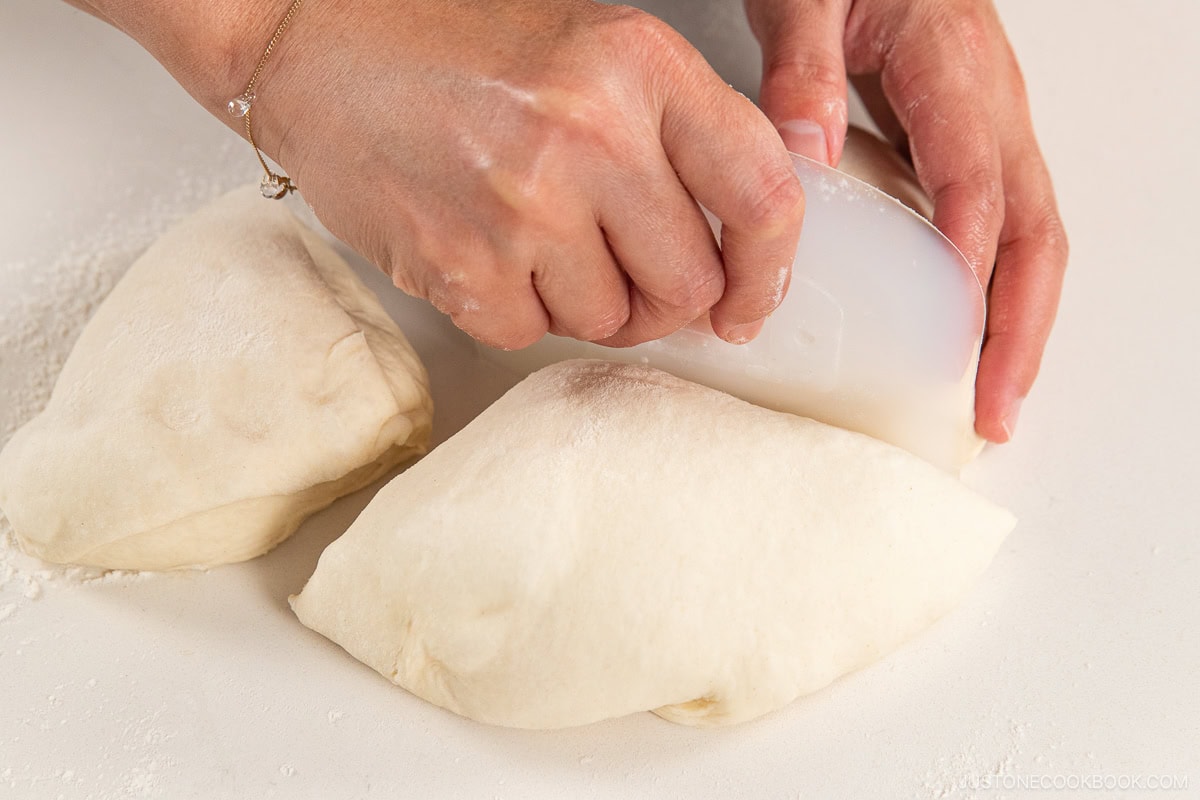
x=529, y=166
x=950, y=78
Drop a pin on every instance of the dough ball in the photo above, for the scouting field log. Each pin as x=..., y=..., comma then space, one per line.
x=608, y=538
x=236, y=380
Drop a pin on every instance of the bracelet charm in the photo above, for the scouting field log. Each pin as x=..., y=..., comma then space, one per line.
x=240, y=106
x=273, y=185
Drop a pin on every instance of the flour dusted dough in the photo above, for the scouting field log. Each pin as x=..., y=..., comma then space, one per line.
x=237, y=379
x=608, y=539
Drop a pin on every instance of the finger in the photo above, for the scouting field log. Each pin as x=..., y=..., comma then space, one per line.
x=494, y=303
x=938, y=73
x=664, y=245
x=804, y=73
x=732, y=161
x=941, y=74
x=582, y=288
x=1024, y=301
x=1030, y=264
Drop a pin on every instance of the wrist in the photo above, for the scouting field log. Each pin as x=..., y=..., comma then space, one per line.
x=210, y=48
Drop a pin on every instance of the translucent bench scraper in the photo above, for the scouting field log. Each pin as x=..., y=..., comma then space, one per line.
x=879, y=333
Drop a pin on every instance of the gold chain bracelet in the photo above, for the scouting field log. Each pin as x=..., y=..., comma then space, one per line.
x=273, y=185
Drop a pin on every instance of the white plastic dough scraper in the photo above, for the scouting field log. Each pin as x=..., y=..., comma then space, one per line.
x=879, y=332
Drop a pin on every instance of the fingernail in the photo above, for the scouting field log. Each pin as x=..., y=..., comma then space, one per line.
x=1010, y=422
x=742, y=334
x=806, y=138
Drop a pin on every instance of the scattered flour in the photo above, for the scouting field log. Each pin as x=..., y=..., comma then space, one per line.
x=131, y=765
x=26, y=578
x=39, y=324
x=962, y=775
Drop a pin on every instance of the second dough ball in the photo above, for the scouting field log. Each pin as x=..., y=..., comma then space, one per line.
x=237, y=379
x=608, y=538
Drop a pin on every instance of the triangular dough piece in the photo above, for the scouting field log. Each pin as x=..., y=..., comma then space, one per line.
x=237, y=379
x=607, y=538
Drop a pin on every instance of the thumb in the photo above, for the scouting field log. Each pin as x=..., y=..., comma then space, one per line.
x=804, y=73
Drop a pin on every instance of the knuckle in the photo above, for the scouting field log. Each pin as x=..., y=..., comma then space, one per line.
x=817, y=72
x=1017, y=87
x=965, y=25
x=648, y=42
x=523, y=335
x=697, y=293
x=946, y=57
x=643, y=28
x=980, y=189
x=463, y=290
x=400, y=264
x=403, y=280
x=585, y=314
x=1052, y=237
x=515, y=335
x=972, y=33
x=776, y=200
x=989, y=191
x=602, y=327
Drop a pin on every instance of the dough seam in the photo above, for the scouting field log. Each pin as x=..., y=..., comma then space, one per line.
x=348, y=484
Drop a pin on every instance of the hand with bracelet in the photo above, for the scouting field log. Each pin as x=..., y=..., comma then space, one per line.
x=535, y=165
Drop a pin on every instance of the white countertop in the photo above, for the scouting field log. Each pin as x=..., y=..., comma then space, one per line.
x=1077, y=656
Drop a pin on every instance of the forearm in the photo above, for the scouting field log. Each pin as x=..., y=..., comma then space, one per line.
x=209, y=47
x=90, y=9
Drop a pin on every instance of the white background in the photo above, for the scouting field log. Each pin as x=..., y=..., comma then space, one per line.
x=1078, y=654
